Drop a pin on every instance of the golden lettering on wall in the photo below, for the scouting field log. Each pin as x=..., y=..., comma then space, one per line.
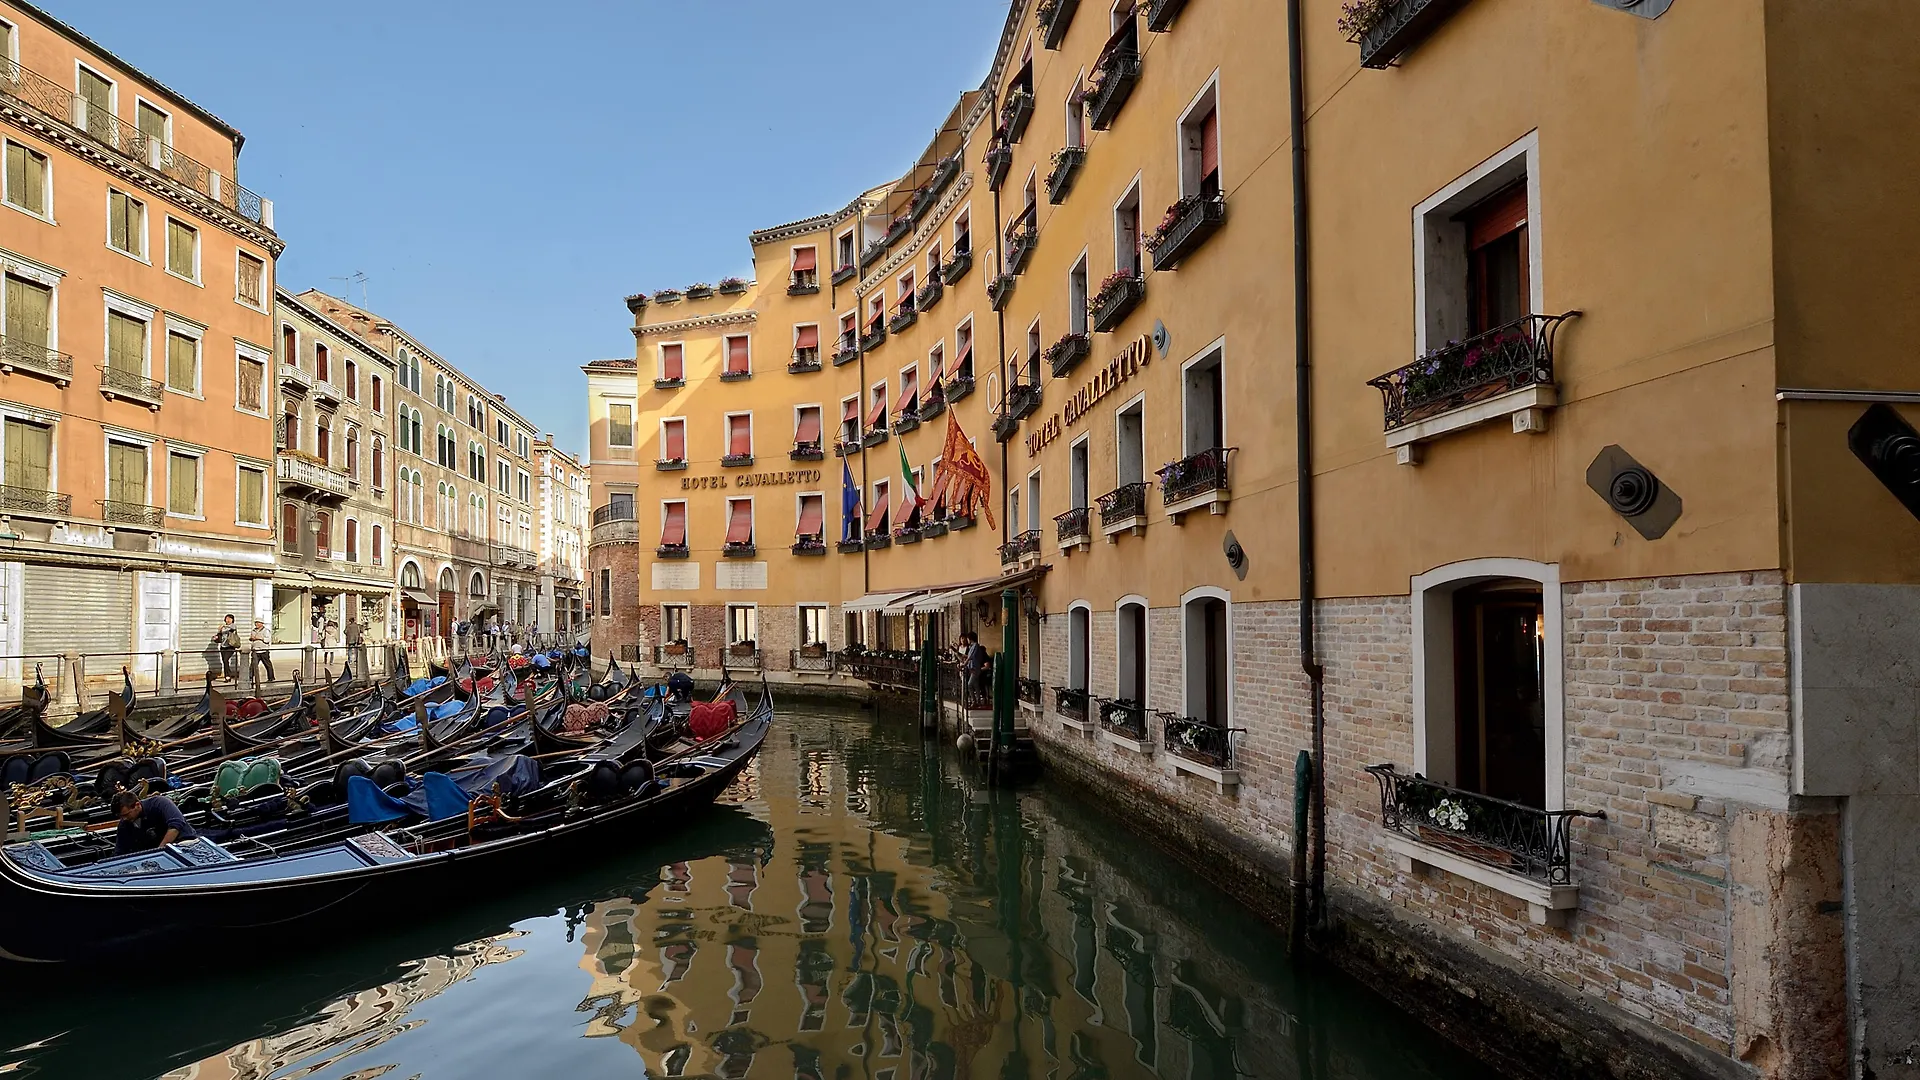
x=748, y=480
x=1106, y=380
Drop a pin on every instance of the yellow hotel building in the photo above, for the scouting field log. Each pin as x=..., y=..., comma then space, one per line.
x=136, y=345
x=1558, y=375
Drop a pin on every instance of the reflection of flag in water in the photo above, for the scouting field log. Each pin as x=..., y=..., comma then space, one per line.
x=849, y=501
x=961, y=482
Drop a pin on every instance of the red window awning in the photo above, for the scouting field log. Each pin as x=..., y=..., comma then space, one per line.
x=676, y=440
x=803, y=260
x=808, y=428
x=673, y=532
x=877, y=521
x=852, y=415
x=909, y=388
x=739, y=434
x=739, y=521
x=846, y=325
x=807, y=337
x=736, y=354
x=673, y=361
x=960, y=360
x=908, y=504
x=813, y=516
x=878, y=414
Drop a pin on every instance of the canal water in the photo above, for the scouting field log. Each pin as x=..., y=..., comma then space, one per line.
x=864, y=908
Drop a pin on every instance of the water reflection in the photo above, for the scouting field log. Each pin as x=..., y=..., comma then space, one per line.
x=933, y=931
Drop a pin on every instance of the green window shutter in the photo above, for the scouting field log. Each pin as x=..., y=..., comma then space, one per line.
x=183, y=484
x=252, y=498
x=126, y=343
x=29, y=455
x=180, y=243
x=183, y=363
x=126, y=473
x=29, y=312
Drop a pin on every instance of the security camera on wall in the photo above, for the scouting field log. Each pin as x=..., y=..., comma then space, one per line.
x=1888, y=446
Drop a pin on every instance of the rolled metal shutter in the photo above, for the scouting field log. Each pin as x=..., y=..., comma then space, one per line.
x=205, y=601
x=77, y=609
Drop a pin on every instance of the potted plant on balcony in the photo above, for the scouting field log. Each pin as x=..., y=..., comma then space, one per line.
x=1015, y=113
x=814, y=648
x=731, y=285
x=1186, y=224
x=637, y=303
x=699, y=290
x=675, y=648
x=742, y=650
x=1118, y=295
x=1062, y=355
x=665, y=296
x=1066, y=166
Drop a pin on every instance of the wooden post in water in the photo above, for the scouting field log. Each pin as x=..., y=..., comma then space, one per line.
x=929, y=685
x=1302, y=794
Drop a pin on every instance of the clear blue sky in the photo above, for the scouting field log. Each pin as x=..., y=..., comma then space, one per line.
x=506, y=174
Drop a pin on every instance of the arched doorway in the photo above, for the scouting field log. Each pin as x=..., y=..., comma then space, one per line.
x=447, y=587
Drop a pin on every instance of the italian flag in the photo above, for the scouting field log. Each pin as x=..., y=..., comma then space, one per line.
x=906, y=474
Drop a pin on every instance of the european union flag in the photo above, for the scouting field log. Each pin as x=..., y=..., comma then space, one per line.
x=849, y=501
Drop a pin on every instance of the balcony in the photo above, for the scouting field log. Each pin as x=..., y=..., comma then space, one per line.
x=1014, y=114
x=738, y=549
x=328, y=393
x=33, y=358
x=1066, y=168
x=119, y=385
x=807, y=451
x=813, y=659
x=810, y=545
x=736, y=461
x=1125, y=719
x=1387, y=30
x=302, y=475
x=616, y=531
x=115, y=512
x=850, y=546
x=674, y=383
x=845, y=352
x=677, y=464
x=804, y=361
x=1200, y=748
x=1185, y=228
x=671, y=551
x=875, y=336
x=1028, y=691
x=1065, y=354
x=930, y=293
x=515, y=558
x=677, y=656
x=903, y=316
x=1022, y=548
x=906, y=534
x=956, y=267
x=33, y=502
x=959, y=386
x=1196, y=482
x=611, y=512
x=294, y=378
x=1022, y=236
x=741, y=656
x=1119, y=294
x=845, y=273
x=1000, y=291
x=1124, y=509
x=1055, y=17
x=1113, y=83
x=878, y=539
x=1072, y=529
x=62, y=106
x=804, y=283
x=1520, y=850
x=1071, y=704
x=1507, y=371
x=999, y=160
x=1162, y=13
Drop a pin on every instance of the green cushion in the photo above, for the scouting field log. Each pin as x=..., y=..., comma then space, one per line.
x=226, y=782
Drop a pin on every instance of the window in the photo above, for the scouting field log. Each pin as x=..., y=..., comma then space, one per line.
x=352, y=544
x=1034, y=345
x=1077, y=297
x=183, y=250
x=353, y=455
x=963, y=350
x=1126, y=232
x=963, y=232
x=154, y=126
x=673, y=366
x=877, y=407
x=807, y=427
x=500, y=431
x=28, y=315
x=1077, y=474
x=323, y=441
x=1200, y=146
x=126, y=224
x=878, y=513
x=183, y=484
x=183, y=363
x=126, y=344
x=1130, y=673
x=1077, y=112
x=620, y=505
x=1129, y=434
x=323, y=540
x=520, y=444
x=250, y=381
x=813, y=517
x=909, y=401
x=1079, y=646
x=96, y=106
x=742, y=624
x=379, y=546
x=805, y=274
x=850, y=420
x=27, y=181
x=673, y=622
x=477, y=586
x=526, y=485
x=806, y=344
x=290, y=528
x=673, y=440
x=813, y=624
x=620, y=425
x=740, y=435
x=606, y=587
x=379, y=471
x=504, y=478
x=1475, y=250
x=290, y=428
x=1208, y=659
x=1203, y=400
x=844, y=251
x=410, y=576
x=1033, y=500
x=322, y=362
x=29, y=456
x=476, y=462
x=673, y=524
x=738, y=359
x=739, y=523
x=250, y=501
x=249, y=279
x=849, y=331
x=379, y=396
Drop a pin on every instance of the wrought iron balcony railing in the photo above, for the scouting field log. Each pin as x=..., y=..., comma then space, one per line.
x=1197, y=740
x=1113, y=83
x=1116, y=300
x=810, y=545
x=1162, y=13
x=813, y=659
x=1186, y=227
x=999, y=160
x=115, y=512
x=117, y=382
x=35, y=502
x=1066, y=166
x=19, y=354
x=807, y=451
x=1520, y=839
x=956, y=266
x=1502, y=360
x=672, y=551
x=1124, y=717
x=673, y=656
x=1009, y=554
x=1389, y=29
x=1055, y=16
x=63, y=106
x=1025, y=543
x=1123, y=502
x=1029, y=690
x=1022, y=236
x=1063, y=355
x=804, y=360
x=1195, y=475
x=612, y=512
x=1070, y=703
x=1071, y=527
x=740, y=657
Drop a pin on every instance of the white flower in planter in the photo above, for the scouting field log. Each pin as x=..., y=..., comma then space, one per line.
x=1449, y=815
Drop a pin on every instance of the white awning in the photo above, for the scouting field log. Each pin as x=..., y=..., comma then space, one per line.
x=903, y=604
x=939, y=600
x=875, y=601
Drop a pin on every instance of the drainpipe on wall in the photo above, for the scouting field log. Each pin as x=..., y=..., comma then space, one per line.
x=860, y=397
x=1000, y=330
x=1303, y=461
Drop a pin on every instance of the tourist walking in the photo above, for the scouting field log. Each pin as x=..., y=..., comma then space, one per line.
x=227, y=637
x=260, y=641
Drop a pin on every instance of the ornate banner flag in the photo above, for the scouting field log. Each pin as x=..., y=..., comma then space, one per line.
x=962, y=480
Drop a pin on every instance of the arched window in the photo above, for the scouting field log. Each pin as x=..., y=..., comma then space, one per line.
x=379, y=546
x=446, y=579
x=379, y=463
x=290, y=528
x=477, y=587
x=410, y=575
x=1079, y=645
x=413, y=432
x=1130, y=673
x=323, y=442
x=1208, y=657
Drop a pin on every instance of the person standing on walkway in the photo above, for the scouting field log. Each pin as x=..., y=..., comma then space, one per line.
x=228, y=638
x=978, y=669
x=356, y=646
x=260, y=641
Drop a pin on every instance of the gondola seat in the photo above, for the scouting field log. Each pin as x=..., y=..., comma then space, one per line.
x=710, y=718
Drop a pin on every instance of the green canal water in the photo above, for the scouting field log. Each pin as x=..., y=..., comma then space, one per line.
x=862, y=907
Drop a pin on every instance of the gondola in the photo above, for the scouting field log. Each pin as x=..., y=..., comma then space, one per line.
x=189, y=895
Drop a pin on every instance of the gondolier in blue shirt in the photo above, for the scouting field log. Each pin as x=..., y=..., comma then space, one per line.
x=149, y=823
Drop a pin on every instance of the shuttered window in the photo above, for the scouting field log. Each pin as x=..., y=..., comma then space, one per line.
x=739, y=434
x=183, y=484
x=619, y=425
x=737, y=356
x=26, y=179
x=98, y=94
x=183, y=363
x=1210, y=150
x=253, y=487
x=675, y=432
x=673, y=531
x=673, y=362
x=353, y=541
x=29, y=312
x=126, y=473
x=807, y=428
x=813, y=516
x=248, y=278
x=126, y=343
x=290, y=528
x=127, y=223
x=151, y=122
x=252, y=378
x=29, y=455
x=183, y=242
x=807, y=337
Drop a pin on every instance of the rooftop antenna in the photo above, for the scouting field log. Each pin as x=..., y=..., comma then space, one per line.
x=358, y=277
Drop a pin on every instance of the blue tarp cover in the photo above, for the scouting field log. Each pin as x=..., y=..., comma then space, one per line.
x=421, y=686
x=438, y=795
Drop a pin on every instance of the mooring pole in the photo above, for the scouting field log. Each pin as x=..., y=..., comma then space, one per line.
x=1302, y=795
x=1007, y=695
x=929, y=685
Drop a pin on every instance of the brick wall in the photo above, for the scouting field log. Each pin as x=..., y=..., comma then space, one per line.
x=1675, y=705
x=623, y=625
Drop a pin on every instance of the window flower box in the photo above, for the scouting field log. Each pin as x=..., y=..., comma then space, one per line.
x=732, y=286
x=999, y=160
x=1066, y=167
x=1387, y=30
x=903, y=316
x=956, y=267
x=1000, y=291
x=807, y=451
x=930, y=293
x=846, y=447
x=1119, y=294
x=1071, y=704
x=742, y=549
x=878, y=540
x=1162, y=13
x=665, y=296
x=845, y=353
x=804, y=283
x=935, y=404
x=932, y=529
x=907, y=534
x=850, y=546
x=907, y=420
x=1015, y=111
x=875, y=435
x=956, y=522
x=875, y=251
x=1063, y=355
x=1055, y=16
x=736, y=461
x=959, y=386
x=1022, y=237
x=845, y=274
x=700, y=291
x=897, y=231
x=735, y=376
x=1113, y=83
x=804, y=361
x=1004, y=427
x=637, y=303
x=810, y=545
x=671, y=551
x=671, y=464
x=875, y=335
x=1187, y=225
x=1023, y=399
x=669, y=384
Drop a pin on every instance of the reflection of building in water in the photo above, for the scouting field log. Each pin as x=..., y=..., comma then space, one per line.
x=356, y=1024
